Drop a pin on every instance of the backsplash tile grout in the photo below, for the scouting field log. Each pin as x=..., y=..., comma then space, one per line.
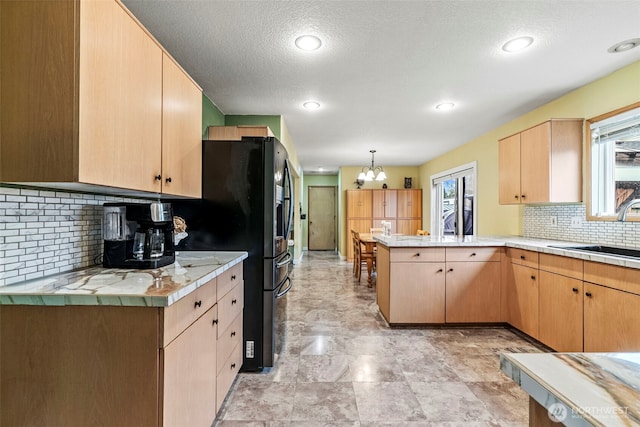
x=44, y=232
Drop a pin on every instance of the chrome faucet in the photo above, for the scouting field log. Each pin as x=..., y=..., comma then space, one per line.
x=622, y=216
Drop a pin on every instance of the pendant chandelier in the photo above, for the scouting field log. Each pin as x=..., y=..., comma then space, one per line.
x=369, y=173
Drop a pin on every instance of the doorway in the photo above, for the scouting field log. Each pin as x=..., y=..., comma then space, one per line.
x=322, y=218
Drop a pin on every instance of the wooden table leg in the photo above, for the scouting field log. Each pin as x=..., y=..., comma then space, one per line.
x=369, y=271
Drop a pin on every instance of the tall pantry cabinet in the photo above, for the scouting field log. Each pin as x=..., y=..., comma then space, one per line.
x=91, y=97
x=367, y=208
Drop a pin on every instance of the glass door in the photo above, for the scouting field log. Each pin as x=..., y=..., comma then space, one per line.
x=454, y=204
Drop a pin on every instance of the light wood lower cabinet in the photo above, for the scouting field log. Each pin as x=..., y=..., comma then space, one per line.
x=560, y=314
x=142, y=366
x=611, y=319
x=189, y=386
x=522, y=300
x=434, y=285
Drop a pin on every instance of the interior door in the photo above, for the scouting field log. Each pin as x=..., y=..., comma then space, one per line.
x=322, y=218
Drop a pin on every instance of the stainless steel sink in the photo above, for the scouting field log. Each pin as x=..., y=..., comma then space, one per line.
x=604, y=250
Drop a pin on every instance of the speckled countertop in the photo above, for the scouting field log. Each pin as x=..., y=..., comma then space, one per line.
x=580, y=389
x=123, y=287
x=400, y=241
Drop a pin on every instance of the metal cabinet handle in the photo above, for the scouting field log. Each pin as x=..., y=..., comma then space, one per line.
x=473, y=254
x=233, y=277
x=233, y=334
x=233, y=301
x=439, y=271
x=533, y=277
x=168, y=179
x=588, y=294
x=233, y=366
x=450, y=270
x=197, y=304
x=575, y=290
x=417, y=254
x=522, y=196
x=516, y=196
x=215, y=321
x=158, y=177
x=522, y=257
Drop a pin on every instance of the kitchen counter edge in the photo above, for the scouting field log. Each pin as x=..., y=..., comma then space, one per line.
x=92, y=286
x=537, y=245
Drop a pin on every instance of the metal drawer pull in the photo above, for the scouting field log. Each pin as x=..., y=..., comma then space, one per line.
x=533, y=277
x=522, y=257
x=450, y=270
x=233, y=277
x=575, y=290
x=588, y=294
x=418, y=254
x=197, y=304
x=168, y=179
x=473, y=254
x=233, y=301
x=233, y=366
x=233, y=334
x=439, y=271
x=215, y=321
x=158, y=177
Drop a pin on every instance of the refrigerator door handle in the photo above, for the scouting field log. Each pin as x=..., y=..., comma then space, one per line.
x=286, y=259
x=284, y=292
x=288, y=197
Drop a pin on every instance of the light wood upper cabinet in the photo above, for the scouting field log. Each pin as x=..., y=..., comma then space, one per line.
x=181, y=132
x=83, y=100
x=410, y=203
x=359, y=204
x=235, y=133
x=385, y=204
x=542, y=164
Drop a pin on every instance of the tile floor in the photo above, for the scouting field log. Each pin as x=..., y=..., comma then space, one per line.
x=342, y=366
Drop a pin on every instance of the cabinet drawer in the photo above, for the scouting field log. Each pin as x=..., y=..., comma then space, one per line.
x=622, y=278
x=177, y=317
x=565, y=266
x=480, y=254
x=523, y=257
x=227, y=374
x=417, y=255
x=229, y=279
x=228, y=308
x=228, y=340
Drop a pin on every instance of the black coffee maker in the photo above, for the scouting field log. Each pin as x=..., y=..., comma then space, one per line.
x=138, y=235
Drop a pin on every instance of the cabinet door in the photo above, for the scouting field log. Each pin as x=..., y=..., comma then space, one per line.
x=181, y=132
x=560, y=312
x=523, y=300
x=120, y=100
x=417, y=293
x=384, y=204
x=611, y=319
x=189, y=383
x=408, y=227
x=410, y=203
x=359, y=204
x=509, y=170
x=535, y=155
x=473, y=292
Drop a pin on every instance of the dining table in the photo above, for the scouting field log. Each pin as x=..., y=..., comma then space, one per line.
x=370, y=245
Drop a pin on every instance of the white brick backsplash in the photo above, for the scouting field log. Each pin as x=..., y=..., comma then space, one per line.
x=613, y=233
x=45, y=232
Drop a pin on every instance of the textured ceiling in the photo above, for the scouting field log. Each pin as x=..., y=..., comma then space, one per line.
x=384, y=65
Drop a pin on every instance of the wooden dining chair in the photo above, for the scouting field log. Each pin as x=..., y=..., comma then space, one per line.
x=422, y=233
x=364, y=256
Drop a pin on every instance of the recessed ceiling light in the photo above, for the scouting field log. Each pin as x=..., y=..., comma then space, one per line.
x=311, y=105
x=308, y=42
x=445, y=106
x=320, y=169
x=517, y=44
x=624, y=46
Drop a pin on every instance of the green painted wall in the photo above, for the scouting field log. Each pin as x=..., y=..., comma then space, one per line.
x=211, y=115
x=272, y=121
x=616, y=90
x=311, y=181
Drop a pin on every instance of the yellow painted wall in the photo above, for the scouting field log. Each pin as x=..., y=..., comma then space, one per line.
x=347, y=178
x=616, y=90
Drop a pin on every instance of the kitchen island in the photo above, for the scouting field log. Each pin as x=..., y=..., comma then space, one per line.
x=123, y=347
x=578, y=389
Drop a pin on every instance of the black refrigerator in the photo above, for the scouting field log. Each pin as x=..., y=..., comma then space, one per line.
x=247, y=205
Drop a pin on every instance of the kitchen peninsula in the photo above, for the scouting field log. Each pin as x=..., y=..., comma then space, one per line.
x=127, y=347
x=570, y=300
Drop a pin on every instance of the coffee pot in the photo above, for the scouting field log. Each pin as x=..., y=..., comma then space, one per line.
x=138, y=235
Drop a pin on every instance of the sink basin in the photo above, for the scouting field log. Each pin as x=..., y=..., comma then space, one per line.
x=605, y=250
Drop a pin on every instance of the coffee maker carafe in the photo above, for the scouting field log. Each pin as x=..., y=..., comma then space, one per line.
x=138, y=235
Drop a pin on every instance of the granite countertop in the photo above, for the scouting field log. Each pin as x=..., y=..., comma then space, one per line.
x=159, y=287
x=543, y=246
x=580, y=389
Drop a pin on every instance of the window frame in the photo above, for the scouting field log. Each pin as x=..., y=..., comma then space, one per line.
x=590, y=169
x=436, y=200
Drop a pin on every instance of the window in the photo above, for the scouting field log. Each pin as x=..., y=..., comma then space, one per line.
x=453, y=201
x=614, y=142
